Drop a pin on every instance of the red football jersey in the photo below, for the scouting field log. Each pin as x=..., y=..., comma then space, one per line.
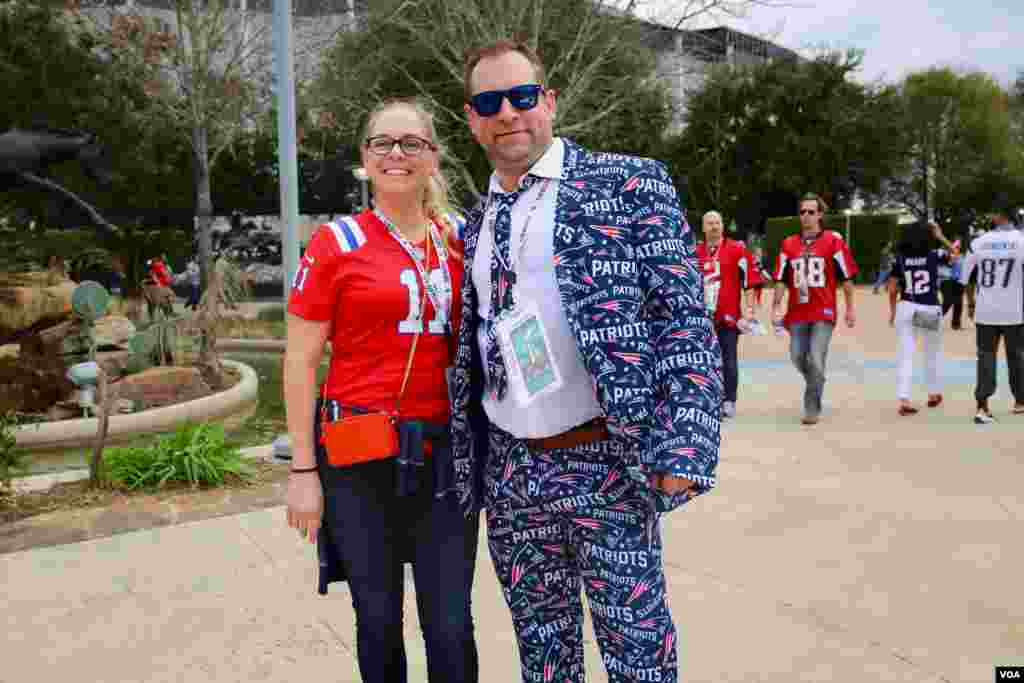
x=161, y=275
x=822, y=263
x=728, y=270
x=356, y=275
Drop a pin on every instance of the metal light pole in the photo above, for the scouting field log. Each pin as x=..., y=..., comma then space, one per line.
x=364, y=192
x=286, y=147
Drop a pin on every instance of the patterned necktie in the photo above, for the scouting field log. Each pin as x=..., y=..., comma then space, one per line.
x=502, y=283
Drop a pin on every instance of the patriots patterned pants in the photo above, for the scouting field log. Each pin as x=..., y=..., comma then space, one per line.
x=565, y=519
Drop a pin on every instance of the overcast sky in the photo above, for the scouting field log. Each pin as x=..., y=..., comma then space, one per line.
x=898, y=36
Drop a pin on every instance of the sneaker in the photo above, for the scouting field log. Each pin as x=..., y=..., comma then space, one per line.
x=934, y=400
x=983, y=417
x=729, y=409
x=809, y=420
x=1018, y=409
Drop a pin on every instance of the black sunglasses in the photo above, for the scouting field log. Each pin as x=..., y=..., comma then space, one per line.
x=808, y=212
x=522, y=97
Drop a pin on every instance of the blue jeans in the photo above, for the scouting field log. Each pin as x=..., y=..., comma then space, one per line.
x=377, y=528
x=728, y=339
x=883, y=275
x=808, y=348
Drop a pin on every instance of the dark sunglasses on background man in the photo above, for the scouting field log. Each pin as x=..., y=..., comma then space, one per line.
x=522, y=97
x=411, y=146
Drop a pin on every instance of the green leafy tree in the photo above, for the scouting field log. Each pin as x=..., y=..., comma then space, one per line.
x=206, y=68
x=780, y=129
x=595, y=58
x=959, y=137
x=54, y=72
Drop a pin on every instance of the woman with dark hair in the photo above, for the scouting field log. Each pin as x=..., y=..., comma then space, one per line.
x=914, y=308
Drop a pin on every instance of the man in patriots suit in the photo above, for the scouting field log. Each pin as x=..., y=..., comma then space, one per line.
x=587, y=382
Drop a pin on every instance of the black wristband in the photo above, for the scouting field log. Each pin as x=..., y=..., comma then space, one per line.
x=314, y=468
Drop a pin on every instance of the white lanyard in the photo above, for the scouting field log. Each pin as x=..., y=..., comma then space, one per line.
x=441, y=299
x=492, y=217
x=715, y=255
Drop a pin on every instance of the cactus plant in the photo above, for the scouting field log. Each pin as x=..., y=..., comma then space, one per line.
x=89, y=301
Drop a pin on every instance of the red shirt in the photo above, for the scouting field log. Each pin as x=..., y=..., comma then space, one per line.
x=730, y=268
x=824, y=262
x=356, y=275
x=160, y=274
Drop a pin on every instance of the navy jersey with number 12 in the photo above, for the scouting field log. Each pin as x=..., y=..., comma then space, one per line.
x=918, y=276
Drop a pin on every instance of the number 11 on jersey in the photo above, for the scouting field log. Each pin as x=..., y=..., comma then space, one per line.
x=413, y=324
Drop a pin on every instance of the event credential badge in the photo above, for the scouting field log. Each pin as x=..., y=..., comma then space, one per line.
x=526, y=351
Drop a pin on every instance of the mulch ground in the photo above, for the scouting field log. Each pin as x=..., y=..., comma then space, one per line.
x=74, y=512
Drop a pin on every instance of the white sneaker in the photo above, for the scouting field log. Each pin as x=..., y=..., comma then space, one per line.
x=983, y=417
x=728, y=409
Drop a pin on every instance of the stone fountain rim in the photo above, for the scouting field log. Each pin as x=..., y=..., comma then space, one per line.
x=81, y=432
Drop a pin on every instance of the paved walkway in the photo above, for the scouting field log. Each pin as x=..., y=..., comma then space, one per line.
x=868, y=548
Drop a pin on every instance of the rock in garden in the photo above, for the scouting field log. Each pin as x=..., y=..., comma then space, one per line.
x=32, y=386
x=114, y=330
x=163, y=386
x=115, y=363
x=32, y=301
x=61, y=412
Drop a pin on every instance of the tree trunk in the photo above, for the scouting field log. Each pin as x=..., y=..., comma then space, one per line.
x=204, y=216
x=105, y=396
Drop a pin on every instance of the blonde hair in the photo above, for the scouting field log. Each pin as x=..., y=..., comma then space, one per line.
x=437, y=203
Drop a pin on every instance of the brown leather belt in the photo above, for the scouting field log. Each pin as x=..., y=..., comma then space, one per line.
x=588, y=432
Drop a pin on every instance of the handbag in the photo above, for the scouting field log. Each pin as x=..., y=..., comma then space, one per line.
x=926, y=320
x=357, y=438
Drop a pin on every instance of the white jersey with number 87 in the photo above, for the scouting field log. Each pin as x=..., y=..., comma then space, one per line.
x=997, y=261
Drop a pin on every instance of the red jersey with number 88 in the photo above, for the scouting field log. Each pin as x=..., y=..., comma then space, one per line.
x=356, y=275
x=823, y=263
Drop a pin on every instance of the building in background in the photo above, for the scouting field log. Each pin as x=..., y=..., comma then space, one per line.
x=684, y=57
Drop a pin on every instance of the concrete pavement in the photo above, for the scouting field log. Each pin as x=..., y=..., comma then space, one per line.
x=868, y=548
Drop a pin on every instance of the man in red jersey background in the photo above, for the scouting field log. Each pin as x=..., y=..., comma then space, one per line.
x=810, y=267
x=729, y=271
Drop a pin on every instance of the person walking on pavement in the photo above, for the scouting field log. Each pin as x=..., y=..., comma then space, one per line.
x=914, y=308
x=884, y=267
x=586, y=260
x=192, y=272
x=995, y=265
x=952, y=289
x=810, y=266
x=730, y=277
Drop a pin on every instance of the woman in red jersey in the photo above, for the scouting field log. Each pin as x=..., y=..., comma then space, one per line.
x=372, y=284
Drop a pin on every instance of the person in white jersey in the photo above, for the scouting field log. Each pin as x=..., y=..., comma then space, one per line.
x=996, y=264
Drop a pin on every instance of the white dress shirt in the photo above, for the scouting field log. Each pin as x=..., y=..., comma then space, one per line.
x=575, y=402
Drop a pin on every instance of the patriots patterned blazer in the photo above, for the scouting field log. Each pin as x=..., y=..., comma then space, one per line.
x=633, y=294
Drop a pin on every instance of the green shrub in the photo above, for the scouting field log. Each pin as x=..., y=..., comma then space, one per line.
x=11, y=457
x=195, y=454
x=868, y=234
x=271, y=314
